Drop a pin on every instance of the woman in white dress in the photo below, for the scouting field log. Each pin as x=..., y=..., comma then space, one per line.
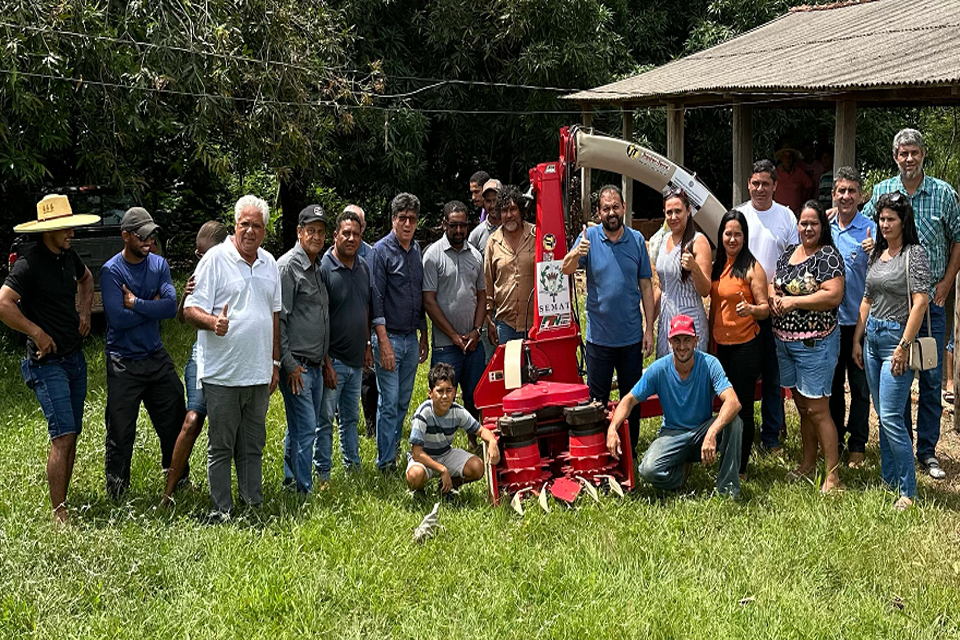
x=683, y=271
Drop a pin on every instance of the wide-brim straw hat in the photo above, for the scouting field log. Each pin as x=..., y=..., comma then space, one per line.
x=788, y=147
x=54, y=214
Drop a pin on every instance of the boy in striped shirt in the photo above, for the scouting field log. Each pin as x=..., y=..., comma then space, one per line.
x=434, y=424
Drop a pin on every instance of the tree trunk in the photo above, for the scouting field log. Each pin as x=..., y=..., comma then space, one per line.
x=293, y=198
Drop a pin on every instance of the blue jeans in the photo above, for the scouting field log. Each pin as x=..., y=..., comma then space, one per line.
x=303, y=421
x=663, y=463
x=468, y=366
x=929, y=408
x=344, y=401
x=771, y=409
x=628, y=362
x=61, y=388
x=195, y=401
x=506, y=333
x=395, y=388
x=889, y=394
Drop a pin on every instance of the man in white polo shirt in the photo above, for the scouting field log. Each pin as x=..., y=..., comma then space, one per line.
x=236, y=305
x=773, y=227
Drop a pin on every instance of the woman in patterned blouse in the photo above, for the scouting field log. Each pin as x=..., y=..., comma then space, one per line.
x=805, y=294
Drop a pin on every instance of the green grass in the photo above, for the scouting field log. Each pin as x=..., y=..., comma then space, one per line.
x=341, y=564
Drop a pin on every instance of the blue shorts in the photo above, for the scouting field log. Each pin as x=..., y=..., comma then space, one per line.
x=60, y=385
x=809, y=369
x=195, y=400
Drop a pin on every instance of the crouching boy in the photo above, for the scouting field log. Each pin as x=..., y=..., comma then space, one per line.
x=434, y=424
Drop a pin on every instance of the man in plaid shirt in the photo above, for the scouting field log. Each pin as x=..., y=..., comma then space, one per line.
x=937, y=214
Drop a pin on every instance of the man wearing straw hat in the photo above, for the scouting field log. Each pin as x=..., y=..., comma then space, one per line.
x=38, y=299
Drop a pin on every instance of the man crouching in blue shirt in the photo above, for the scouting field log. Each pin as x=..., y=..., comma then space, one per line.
x=686, y=382
x=434, y=424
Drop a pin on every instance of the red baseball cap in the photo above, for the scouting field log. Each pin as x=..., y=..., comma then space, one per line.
x=682, y=325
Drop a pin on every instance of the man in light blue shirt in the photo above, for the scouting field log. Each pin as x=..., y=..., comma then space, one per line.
x=686, y=382
x=618, y=282
x=936, y=212
x=854, y=235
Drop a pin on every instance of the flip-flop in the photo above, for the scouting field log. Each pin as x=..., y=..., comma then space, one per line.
x=948, y=397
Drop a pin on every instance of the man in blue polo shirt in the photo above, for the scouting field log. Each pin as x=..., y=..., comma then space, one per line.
x=686, y=382
x=618, y=281
x=937, y=216
x=853, y=234
x=137, y=294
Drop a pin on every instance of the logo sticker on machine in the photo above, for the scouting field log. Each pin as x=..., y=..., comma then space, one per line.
x=495, y=376
x=648, y=159
x=553, y=290
x=554, y=322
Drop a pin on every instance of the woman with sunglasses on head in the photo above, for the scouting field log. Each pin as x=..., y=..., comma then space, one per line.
x=805, y=296
x=738, y=298
x=895, y=301
x=683, y=268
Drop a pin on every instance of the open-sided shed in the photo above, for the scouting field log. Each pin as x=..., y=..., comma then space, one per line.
x=848, y=55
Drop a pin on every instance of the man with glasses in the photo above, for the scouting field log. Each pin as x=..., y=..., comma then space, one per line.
x=137, y=294
x=397, y=275
x=937, y=216
x=455, y=298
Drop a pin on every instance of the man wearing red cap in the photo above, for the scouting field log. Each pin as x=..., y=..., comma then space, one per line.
x=686, y=382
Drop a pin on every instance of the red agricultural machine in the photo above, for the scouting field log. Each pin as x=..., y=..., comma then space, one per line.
x=552, y=438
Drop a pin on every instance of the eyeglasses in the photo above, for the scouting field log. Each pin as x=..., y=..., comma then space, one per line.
x=408, y=219
x=456, y=225
x=199, y=254
x=150, y=238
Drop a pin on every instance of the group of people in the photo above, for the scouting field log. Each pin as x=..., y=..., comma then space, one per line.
x=798, y=302
x=809, y=303
x=311, y=323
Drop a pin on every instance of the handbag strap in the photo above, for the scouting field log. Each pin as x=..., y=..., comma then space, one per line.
x=907, y=253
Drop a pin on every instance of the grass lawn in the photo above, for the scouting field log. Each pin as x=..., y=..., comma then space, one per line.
x=782, y=563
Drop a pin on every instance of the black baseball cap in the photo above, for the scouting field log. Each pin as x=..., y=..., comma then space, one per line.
x=312, y=213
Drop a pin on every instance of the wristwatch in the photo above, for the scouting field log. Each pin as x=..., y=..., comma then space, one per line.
x=477, y=329
x=904, y=345
x=276, y=363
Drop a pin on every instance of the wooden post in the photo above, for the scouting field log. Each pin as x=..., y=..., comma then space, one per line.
x=742, y=151
x=675, y=132
x=845, y=134
x=627, y=184
x=585, y=209
x=956, y=341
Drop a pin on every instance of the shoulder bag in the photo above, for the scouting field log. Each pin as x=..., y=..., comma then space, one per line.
x=923, y=354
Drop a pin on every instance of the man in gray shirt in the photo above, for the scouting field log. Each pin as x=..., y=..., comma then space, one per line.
x=454, y=296
x=304, y=340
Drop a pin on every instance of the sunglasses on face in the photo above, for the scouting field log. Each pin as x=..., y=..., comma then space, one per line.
x=150, y=238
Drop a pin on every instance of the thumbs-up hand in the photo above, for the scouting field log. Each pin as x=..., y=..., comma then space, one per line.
x=584, y=247
x=688, y=262
x=868, y=244
x=222, y=323
x=743, y=307
x=128, y=298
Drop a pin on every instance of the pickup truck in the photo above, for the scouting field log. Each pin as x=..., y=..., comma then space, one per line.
x=95, y=243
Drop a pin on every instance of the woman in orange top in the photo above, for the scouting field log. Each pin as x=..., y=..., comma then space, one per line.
x=738, y=298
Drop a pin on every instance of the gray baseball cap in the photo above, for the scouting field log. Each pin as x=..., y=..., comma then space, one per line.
x=137, y=220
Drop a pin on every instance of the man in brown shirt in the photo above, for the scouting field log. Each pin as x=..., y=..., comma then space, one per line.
x=509, y=267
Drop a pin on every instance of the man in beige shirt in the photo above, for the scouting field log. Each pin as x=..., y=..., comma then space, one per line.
x=509, y=267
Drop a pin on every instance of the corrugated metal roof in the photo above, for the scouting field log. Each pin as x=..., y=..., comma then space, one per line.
x=854, y=46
